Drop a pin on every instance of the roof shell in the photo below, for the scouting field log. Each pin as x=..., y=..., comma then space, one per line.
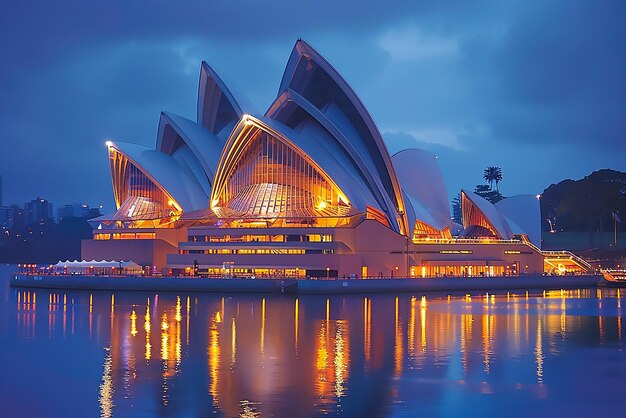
x=176, y=180
x=218, y=109
x=205, y=146
x=323, y=140
x=305, y=140
x=313, y=77
x=490, y=212
x=422, y=181
x=525, y=212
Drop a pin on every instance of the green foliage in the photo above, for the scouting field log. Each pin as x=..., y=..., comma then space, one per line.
x=493, y=175
x=485, y=191
x=457, y=214
x=586, y=204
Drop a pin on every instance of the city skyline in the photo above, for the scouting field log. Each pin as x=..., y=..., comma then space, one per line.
x=536, y=90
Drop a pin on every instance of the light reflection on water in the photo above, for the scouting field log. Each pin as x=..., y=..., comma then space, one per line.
x=261, y=355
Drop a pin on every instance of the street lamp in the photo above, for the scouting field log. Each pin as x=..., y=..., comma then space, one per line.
x=327, y=273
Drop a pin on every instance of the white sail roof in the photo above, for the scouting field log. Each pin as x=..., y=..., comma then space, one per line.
x=524, y=211
x=421, y=179
x=177, y=180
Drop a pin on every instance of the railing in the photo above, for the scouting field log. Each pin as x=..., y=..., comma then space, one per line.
x=569, y=255
x=472, y=241
x=614, y=275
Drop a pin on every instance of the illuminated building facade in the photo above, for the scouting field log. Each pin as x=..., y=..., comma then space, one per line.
x=306, y=189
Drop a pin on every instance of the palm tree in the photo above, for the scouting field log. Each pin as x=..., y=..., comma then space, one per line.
x=493, y=174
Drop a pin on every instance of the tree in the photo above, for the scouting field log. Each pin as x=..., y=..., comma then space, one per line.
x=493, y=174
x=457, y=214
x=484, y=191
x=586, y=204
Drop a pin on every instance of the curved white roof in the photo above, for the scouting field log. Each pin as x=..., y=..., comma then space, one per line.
x=524, y=211
x=319, y=114
x=410, y=210
x=421, y=179
x=297, y=113
x=306, y=139
x=314, y=78
x=490, y=212
x=217, y=107
x=174, y=131
x=166, y=172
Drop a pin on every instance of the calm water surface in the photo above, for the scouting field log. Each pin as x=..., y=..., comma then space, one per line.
x=132, y=354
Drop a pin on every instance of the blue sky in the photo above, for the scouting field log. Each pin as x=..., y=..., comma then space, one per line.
x=537, y=88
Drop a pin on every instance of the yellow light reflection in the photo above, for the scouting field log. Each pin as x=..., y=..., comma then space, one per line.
x=164, y=338
x=263, y=326
x=332, y=360
x=233, y=342
x=106, y=390
x=423, y=326
x=342, y=359
x=563, y=319
x=133, y=323
x=398, y=351
x=296, y=320
x=214, y=356
x=321, y=362
x=411, y=330
x=367, y=336
x=539, y=352
x=466, y=338
x=187, y=327
x=327, y=310
x=178, y=316
x=601, y=328
x=487, y=321
x=178, y=344
x=147, y=327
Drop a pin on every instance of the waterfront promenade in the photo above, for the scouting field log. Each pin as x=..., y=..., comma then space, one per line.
x=302, y=286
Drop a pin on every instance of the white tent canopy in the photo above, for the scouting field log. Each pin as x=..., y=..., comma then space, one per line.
x=84, y=266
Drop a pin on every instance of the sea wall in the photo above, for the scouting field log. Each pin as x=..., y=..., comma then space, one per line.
x=192, y=284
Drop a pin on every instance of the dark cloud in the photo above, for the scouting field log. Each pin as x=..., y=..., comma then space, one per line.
x=536, y=88
x=561, y=73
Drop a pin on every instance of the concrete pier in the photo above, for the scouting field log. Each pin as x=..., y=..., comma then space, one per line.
x=322, y=287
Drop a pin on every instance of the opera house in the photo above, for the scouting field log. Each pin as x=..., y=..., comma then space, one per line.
x=307, y=189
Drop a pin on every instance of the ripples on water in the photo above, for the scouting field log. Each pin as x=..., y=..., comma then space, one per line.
x=70, y=353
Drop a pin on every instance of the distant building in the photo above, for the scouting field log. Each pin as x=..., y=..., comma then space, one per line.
x=4, y=217
x=11, y=216
x=77, y=210
x=38, y=211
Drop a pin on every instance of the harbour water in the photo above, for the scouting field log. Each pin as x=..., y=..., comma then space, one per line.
x=143, y=354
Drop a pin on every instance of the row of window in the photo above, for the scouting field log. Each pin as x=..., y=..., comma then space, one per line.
x=272, y=251
x=262, y=238
x=126, y=235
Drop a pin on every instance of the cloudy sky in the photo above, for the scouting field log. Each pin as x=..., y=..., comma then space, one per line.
x=535, y=87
